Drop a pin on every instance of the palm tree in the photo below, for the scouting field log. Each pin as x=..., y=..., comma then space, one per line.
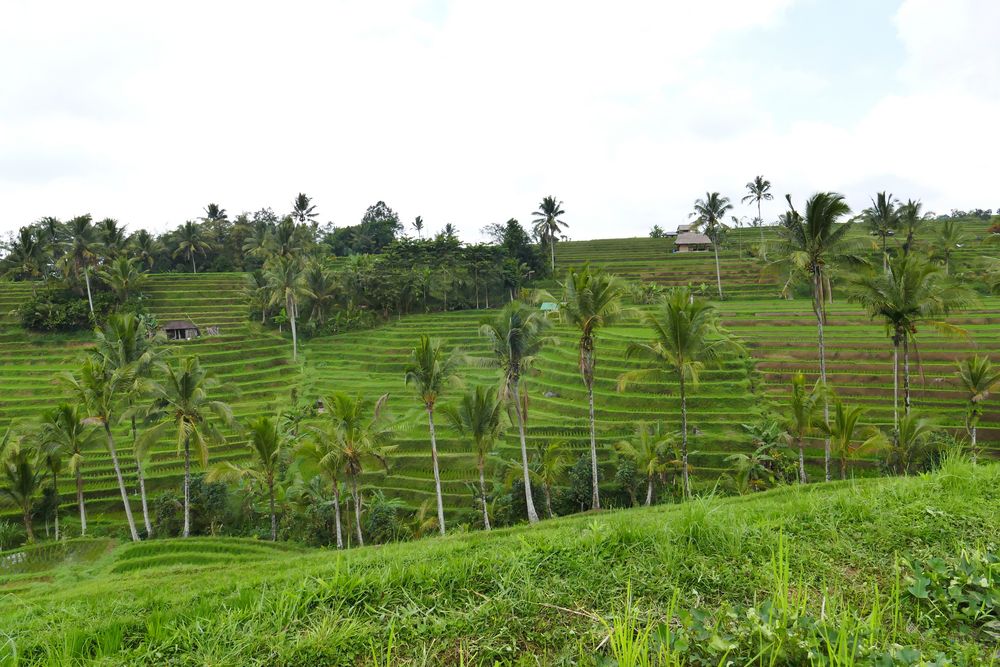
x=803, y=419
x=64, y=429
x=284, y=279
x=516, y=335
x=112, y=236
x=550, y=465
x=978, y=376
x=268, y=444
x=81, y=250
x=647, y=450
x=752, y=468
x=26, y=256
x=303, y=209
x=591, y=299
x=429, y=372
x=52, y=459
x=124, y=344
x=810, y=246
x=182, y=400
x=910, y=220
x=911, y=292
x=479, y=417
x=910, y=444
x=24, y=474
x=709, y=213
x=357, y=440
x=949, y=236
x=418, y=226
x=123, y=276
x=758, y=190
x=883, y=219
x=687, y=337
x=100, y=387
x=146, y=247
x=321, y=286
x=548, y=226
x=215, y=213
x=322, y=453
x=191, y=242
x=843, y=432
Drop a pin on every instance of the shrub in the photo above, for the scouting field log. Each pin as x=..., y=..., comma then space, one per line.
x=11, y=535
x=209, y=503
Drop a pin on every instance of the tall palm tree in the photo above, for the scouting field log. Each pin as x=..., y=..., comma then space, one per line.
x=81, y=250
x=948, y=237
x=284, y=280
x=548, y=226
x=123, y=276
x=911, y=292
x=647, y=450
x=687, y=337
x=811, y=246
x=182, y=400
x=52, y=458
x=112, y=236
x=100, y=388
x=709, y=214
x=322, y=453
x=429, y=372
x=591, y=300
x=516, y=335
x=320, y=284
x=883, y=219
x=303, y=210
x=418, y=226
x=24, y=474
x=910, y=220
x=215, y=213
x=803, y=419
x=758, y=190
x=124, y=344
x=978, y=377
x=64, y=429
x=479, y=416
x=268, y=444
x=26, y=256
x=191, y=242
x=549, y=466
x=145, y=247
x=357, y=440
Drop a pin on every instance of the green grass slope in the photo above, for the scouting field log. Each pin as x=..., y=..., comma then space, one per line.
x=774, y=575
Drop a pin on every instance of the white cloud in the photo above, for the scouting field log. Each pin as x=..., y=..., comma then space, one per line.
x=462, y=112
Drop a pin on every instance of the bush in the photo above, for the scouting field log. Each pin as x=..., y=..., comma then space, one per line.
x=11, y=535
x=209, y=504
x=61, y=310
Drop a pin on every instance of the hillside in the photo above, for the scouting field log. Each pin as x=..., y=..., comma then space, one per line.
x=847, y=569
x=255, y=365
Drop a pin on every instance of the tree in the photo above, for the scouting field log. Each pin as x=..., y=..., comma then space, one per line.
x=24, y=474
x=123, y=276
x=26, y=257
x=268, y=444
x=883, y=219
x=657, y=232
x=320, y=285
x=752, y=468
x=146, y=247
x=803, y=417
x=843, y=431
x=911, y=444
x=284, y=280
x=709, y=213
x=550, y=465
x=429, y=372
x=215, y=213
x=322, y=452
x=910, y=292
x=687, y=337
x=478, y=416
x=99, y=387
x=356, y=440
x=758, y=190
x=910, y=220
x=647, y=450
x=81, y=250
x=182, y=400
x=303, y=210
x=948, y=238
x=548, y=226
x=124, y=344
x=191, y=242
x=64, y=430
x=515, y=336
x=810, y=246
x=418, y=226
x=112, y=237
x=978, y=377
x=591, y=300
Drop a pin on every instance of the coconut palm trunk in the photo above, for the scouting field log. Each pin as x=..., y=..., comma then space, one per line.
x=802, y=460
x=552, y=252
x=482, y=495
x=79, y=502
x=336, y=515
x=194, y=268
x=649, y=490
x=819, y=297
x=356, y=494
x=906, y=374
x=187, y=487
x=142, y=484
x=121, y=482
x=55, y=487
x=29, y=528
x=86, y=279
x=895, y=380
x=718, y=272
x=290, y=309
x=760, y=221
x=587, y=369
x=528, y=501
x=547, y=488
x=437, y=473
x=684, y=439
x=274, y=516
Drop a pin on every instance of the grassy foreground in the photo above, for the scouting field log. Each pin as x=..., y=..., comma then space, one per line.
x=791, y=576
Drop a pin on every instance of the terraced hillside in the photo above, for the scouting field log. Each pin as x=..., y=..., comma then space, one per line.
x=253, y=365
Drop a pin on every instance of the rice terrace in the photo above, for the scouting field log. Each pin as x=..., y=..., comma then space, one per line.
x=729, y=419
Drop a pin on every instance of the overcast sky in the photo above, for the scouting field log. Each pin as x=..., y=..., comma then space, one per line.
x=471, y=112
